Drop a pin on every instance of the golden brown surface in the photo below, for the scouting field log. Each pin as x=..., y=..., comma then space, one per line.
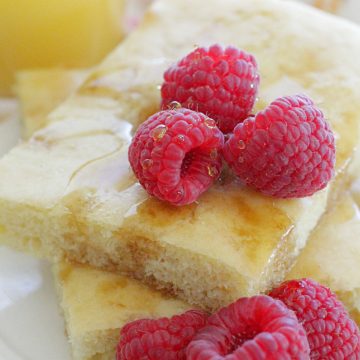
x=97, y=304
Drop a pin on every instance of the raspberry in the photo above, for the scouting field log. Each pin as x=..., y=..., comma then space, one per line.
x=286, y=150
x=251, y=328
x=160, y=339
x=330, y=331
x=221, y=83
x=176, y=155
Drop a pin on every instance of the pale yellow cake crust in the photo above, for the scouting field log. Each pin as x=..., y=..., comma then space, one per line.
x=96, y=305
x=69, y=193
x=41, y=91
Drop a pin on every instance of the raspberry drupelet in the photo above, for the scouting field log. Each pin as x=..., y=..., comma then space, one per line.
x=287, y=150
x=251, y=328
x=330, y=331
x=220, y=82
x=176, y=155
x=160, y=339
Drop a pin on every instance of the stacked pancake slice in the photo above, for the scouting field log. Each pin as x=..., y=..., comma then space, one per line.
x=68, y=193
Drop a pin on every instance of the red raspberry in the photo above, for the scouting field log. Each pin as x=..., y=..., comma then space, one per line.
x=286, y=150
x=161, y=339
x=330, y=331
x=221, y=83
x=176, y=155
x=251, y=328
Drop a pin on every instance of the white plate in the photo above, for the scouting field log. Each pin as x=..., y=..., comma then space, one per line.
x=31, y=327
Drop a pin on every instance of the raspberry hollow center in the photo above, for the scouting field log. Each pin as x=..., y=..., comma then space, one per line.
x=187, y=162
x=239, y=339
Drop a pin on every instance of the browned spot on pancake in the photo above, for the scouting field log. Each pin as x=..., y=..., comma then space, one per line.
x=328, y=5
x=141, y=250
x=250, y=214
x=161, y=214
x=117, y=305
x=65, y=273
x=107, y=287
x=166, y=289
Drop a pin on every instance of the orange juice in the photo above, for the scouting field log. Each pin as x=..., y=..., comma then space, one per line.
x=66, y=33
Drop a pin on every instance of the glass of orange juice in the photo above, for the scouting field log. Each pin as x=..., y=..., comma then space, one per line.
x=62, y=33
